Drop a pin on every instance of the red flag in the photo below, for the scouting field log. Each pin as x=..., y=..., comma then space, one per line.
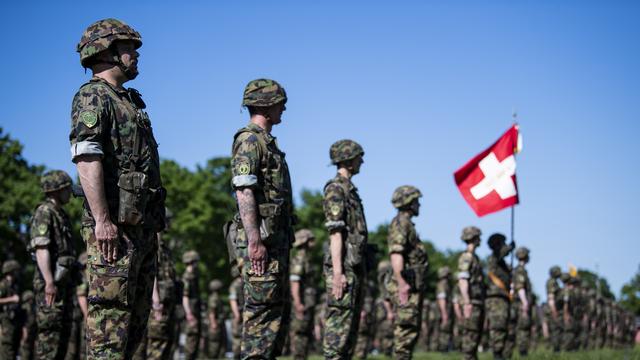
x=488, y=181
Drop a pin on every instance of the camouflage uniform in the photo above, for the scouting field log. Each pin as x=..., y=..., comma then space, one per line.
x=554, y=292
x=215, y=309
x=258, y=163
x=344, y=213
x=161, y=331
x=443, y=293
x=384, y=327
x=191, y=290
x=403, y=240
x=28, y=309
x=434, y=319
x=77, y=347
x=364, y=341
x=498, y=298
x=111, y=123
x=236, y=294
x=521, y=282
x=570, y=300
x=469, y=268
x=457, y=330
x=10, y=312
x=303, y=272
x=51, y=231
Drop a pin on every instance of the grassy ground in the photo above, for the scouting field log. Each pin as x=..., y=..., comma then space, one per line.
x=537, y=355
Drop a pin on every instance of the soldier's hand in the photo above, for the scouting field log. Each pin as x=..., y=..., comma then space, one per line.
x=467, y=310
x=15, y=298
x=157, y=311
x=403, y=293
x=50, y=291
x=192, y=320
x=339, y=286
x=299, y=310
x=107, y=238
x=258, y=257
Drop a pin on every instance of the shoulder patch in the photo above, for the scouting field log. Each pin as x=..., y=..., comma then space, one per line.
x=243, y=168
x=335, y=210
x=42, y=229
x=89, y=118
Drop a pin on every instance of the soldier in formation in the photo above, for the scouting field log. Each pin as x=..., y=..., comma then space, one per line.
x=10, y=310
x=191, y=304
x=236, y=303
x=472, y=293
x=498, y=300
x=215, y=315
x=443, y=299
x=554, y=308
x=523, y=300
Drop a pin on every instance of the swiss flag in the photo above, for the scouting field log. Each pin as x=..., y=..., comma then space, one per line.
x=488, y=181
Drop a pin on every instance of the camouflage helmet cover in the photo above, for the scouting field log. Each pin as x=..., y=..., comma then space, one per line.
x=522, y=253
x=565, y=277
x=27, y=296
x=215, y=285
x=496, y=241
x=55, y=180
x=190, y=257
x=10, y=266
x=555, y=271
x=263, y=93
x=302, y=237
x=469, y=233
x=100, y=35
x=343, y=150
x=443, y=272
x=404, y=195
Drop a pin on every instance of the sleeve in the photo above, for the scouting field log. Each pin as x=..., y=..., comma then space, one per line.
x=233, y=291
x=186, y=285
x=88, y=123
x=245, y=161
x=441, y=289
x=464, y=265
x=550, y=289
x=398, y=237
x=334, y=207
x=297, y=269
x=40, y=228
x=520, y=279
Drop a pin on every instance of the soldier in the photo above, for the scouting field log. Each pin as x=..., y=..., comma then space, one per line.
x=236, y=302
x=9, y=310
x=77, y=348
x=191, y=303
x=53, y=283
x=263, y=190
x=215, y=314
x=522, y=301
x=498, y=297
x=457, y=310
x=303, y=292
x=344, y=259
x=472, y=293
x=409, y=263
x=384, y=311
x=555, y=305
x=116, y=154
x=569, y=300
x=434, y=320
x=443, y=298
x=29, y=328
x=364, y=340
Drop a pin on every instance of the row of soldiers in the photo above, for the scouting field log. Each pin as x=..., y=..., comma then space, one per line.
x=131, y=289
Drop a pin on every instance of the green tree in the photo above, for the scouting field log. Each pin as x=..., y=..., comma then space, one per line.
x=597, y=282
x=630, y=294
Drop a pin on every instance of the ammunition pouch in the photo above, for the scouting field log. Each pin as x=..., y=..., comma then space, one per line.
x=133, y=197
x=354, y=246
x=415, y=276
x=167, y=291
x=269, y=219
x=64, y=269
x=230, y=232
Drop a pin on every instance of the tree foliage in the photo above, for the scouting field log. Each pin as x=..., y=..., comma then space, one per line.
x=596, y=282
x=630, y=294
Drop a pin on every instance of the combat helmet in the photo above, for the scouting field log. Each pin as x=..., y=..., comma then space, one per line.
x=496, y=241
x=404, y=195
x=190, y=257
x=263, y=93
x=555, y=271
x=100, y=35
x=565, y=277
x=344, y=150
x=443, y=272
x=302, y=237
x=26, y=296
x=522, y=253
x=55, y=180
x=469, y=233
x=215, y=285
x=10, y=266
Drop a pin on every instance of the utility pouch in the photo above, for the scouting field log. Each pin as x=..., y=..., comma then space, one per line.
x=269, y=213
x=230, y=231
x=64, y=265
x=167, y=291
x=133, y=197
x=355, y=249
x=409, y=275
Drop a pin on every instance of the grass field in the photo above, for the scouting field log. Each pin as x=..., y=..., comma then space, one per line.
x=537, y=355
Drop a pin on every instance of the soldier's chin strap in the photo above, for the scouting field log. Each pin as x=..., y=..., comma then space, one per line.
x=117, y=60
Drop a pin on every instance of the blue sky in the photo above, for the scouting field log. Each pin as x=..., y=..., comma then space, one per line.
x=423, y=86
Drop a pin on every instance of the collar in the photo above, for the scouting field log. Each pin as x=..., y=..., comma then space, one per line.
x=262, y=131
x=121, y=91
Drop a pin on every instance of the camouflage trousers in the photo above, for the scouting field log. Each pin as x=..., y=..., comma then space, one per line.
x=434, y=333
x=569, y=334
x=9, y=339
x=192, y=344
x=301, y=334
x=216, y=342
x=456, y=343
x=555, y=331
x=444, y=338
x=406, y=329
x=54, y=323
x=266, y=308
x=523, y=334
x=343, y=317
x=28, y=345
x=236, y=338
x=471, y=330
x=76, y=349
x=160, y=335
x=384, y=337
x=498, y=315
x=364, y=340
x=512, y=329
x=119, y=294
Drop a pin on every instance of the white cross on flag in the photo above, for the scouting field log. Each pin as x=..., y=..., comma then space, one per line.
x=488, y=181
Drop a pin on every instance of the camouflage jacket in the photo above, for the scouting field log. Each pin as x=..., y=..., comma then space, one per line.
x=521, y=281
x=166, y=274
x=553, y=289
x=236, y=292
x=191, y=290
x=469, y=268
x=215, y=306
x=403, y=239
x=108, y=122
x=499, y=277
x=258, y=163
x=9, y=311
x=301, y=270
x=344, y=212
x=443, y=290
